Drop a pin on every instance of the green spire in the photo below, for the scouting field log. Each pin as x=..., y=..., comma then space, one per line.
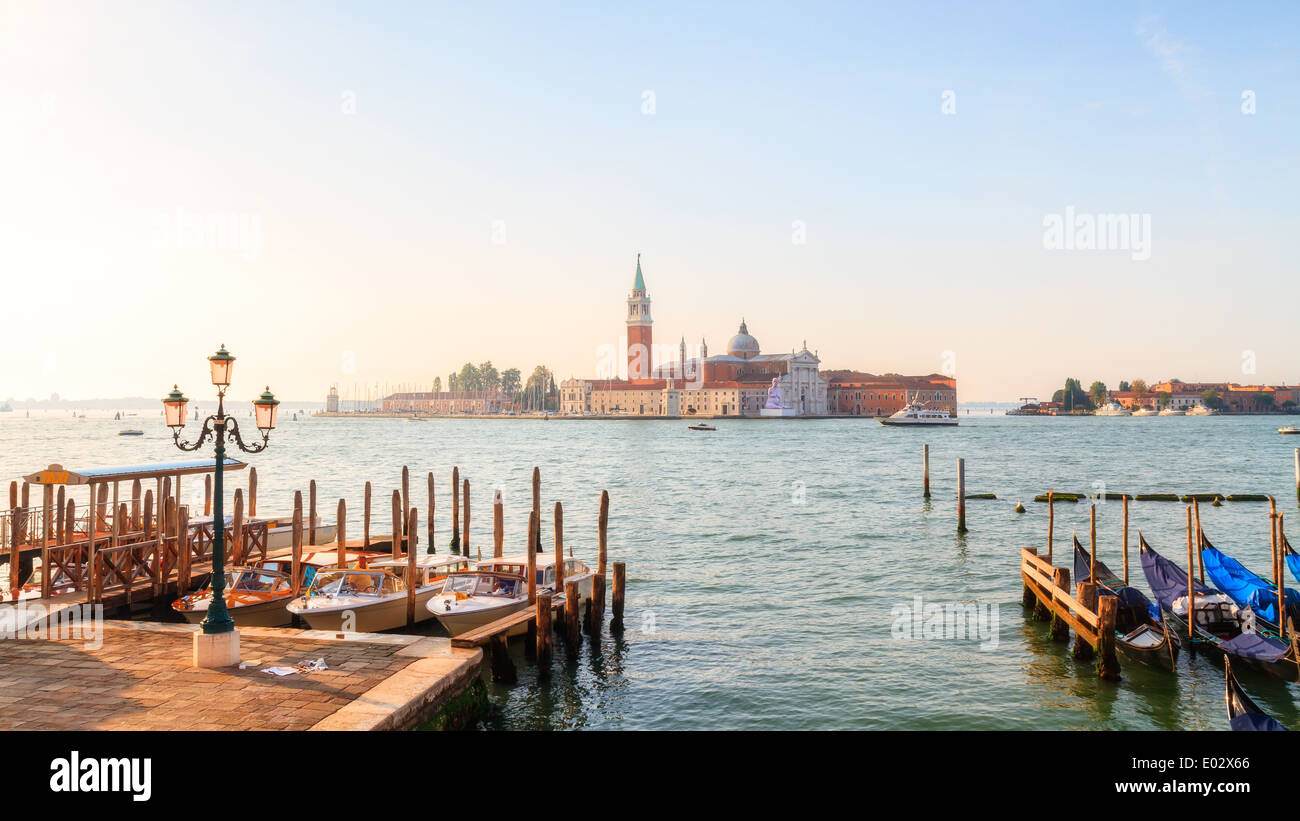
x=639, y=284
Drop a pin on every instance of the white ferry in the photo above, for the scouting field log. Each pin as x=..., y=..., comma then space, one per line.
x=917, y=415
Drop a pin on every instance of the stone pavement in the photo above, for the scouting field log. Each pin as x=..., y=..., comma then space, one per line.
x=141, y=679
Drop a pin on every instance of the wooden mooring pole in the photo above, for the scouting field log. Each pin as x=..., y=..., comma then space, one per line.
x=534, y=524
x=1107, y=664
x=397, y=524
x=1086, y=593
x=961, y=495
x=1191, y=582
x=341, y=531
x=412, y=582
x=311, y=512
x=433, y=546
x=925, y=469
x=537, y=506
x=455, y=510
x=498, y=525
x=365, y=519
x=1126, y=539
x=295, y=560
x=559, y=546
x=406, y=490
x=544, y=636
x=571, y=633
x=1296, y=460
x=1060, y=629
x=464, y=536
x=620, y=586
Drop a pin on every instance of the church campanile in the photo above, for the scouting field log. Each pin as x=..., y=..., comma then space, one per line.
x=639, y=328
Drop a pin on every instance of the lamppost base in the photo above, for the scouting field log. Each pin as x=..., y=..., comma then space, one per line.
x=216, y=649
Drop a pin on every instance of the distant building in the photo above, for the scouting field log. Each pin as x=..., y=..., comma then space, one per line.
x=853, y=393
x=332, y=400
x=471, y=402
x=1234, y=398
x=738, y=382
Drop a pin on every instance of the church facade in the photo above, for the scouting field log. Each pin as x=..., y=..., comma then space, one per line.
x=743, y=381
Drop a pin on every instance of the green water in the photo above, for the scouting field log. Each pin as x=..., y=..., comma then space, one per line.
x=765, y=561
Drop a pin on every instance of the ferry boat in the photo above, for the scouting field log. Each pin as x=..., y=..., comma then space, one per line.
x=374, y=598
x=256, y=595
x=1172, y=412
x=1289, y=429
x=917, y=415
x=1113, y=409
x=498, y=588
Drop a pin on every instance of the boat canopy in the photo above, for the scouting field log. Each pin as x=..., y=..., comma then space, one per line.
x=59, y=475
x=1244, y=587
x=1167, y=580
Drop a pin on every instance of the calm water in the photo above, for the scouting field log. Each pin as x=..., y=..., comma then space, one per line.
x=764, y=560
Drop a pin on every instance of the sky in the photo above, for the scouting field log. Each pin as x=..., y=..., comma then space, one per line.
x=375, y=193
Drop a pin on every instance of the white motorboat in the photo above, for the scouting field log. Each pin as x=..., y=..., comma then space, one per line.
x=1144, y=411
x=1202, y=410
x=279, y=532
x=373, y=599
x=918, y=415
x=1173, y=412
x=498, y=588
x=1113, y=409
x=1289, y=429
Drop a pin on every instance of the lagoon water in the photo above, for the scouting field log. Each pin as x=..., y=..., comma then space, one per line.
x=766, y=561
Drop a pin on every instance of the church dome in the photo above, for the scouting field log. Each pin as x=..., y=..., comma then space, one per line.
x=742, y=344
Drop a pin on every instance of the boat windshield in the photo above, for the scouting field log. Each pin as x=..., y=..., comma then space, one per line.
x=485, y=584
x=352, y=583
x=255, y=582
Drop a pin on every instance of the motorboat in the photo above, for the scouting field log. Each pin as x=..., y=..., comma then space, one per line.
x=1172, y=411
x=1202, y=410
x=372, y=599
x=700, y=426
x=1145, y=411
x=498, y=587
x=256, y=594
x=1113, y=409
x=1289, y=429
x=279, y=532
x=918, y=415
x=130, y=432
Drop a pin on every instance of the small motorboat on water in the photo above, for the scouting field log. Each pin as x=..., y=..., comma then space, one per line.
x=497, y=588
x=130, y=432
x=1172, y=412
x=374, y=598
x=1289, y=429
x=700, y=426
x=1243, y=714
x=1145, y=412
x=918, y=415
x=1113, y=409
x=1202, y=410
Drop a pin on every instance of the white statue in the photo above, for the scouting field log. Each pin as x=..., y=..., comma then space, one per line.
x=774, y=399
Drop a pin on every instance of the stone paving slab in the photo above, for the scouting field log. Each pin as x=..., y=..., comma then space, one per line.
x=141, y=679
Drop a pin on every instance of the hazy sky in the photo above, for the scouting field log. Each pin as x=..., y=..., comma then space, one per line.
x=379, y=192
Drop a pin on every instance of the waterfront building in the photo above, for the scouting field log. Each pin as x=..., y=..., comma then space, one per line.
x=472, y=402
x=741, y=381
x=332, y=400
x=1233, y=397
x=852, y=393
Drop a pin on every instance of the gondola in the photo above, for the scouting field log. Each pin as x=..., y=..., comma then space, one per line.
x=1217, y=621
x=1140, y=630
x=1243, y=714
x=1292, y=558
x=1246, y=589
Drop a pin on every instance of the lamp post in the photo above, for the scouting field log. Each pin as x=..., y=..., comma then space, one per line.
x=219, y=426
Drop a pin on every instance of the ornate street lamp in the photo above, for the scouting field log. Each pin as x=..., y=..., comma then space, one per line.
x=219, y=425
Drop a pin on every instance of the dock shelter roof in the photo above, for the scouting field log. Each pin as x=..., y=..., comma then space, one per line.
x=59, y=475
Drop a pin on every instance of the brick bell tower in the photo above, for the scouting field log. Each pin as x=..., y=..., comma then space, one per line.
x=639, y=329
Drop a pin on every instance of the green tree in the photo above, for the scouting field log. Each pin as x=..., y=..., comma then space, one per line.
x=1210, y=399
x=1264, y=400
x=1072, y=397
x=535, y=389
x=452, y=383
x=437, y=384
x=1098, y=393
x=1139, y=389
x=469, y=378
x=510, y=382
x=1163, y=398
x=1124, y=386
x=489, y=379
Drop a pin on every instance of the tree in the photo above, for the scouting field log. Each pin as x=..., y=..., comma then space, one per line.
x=1211, y=399
x=535, y=389
x=1163, y=398
x=1072, y=397
x=1098, y=393
x=452, y=383
x=1139, y=389
x=1124, y=386
x=1264, y=400
x=489, y=379
x=437, y=384
x=469, y=378
x=510, y=382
